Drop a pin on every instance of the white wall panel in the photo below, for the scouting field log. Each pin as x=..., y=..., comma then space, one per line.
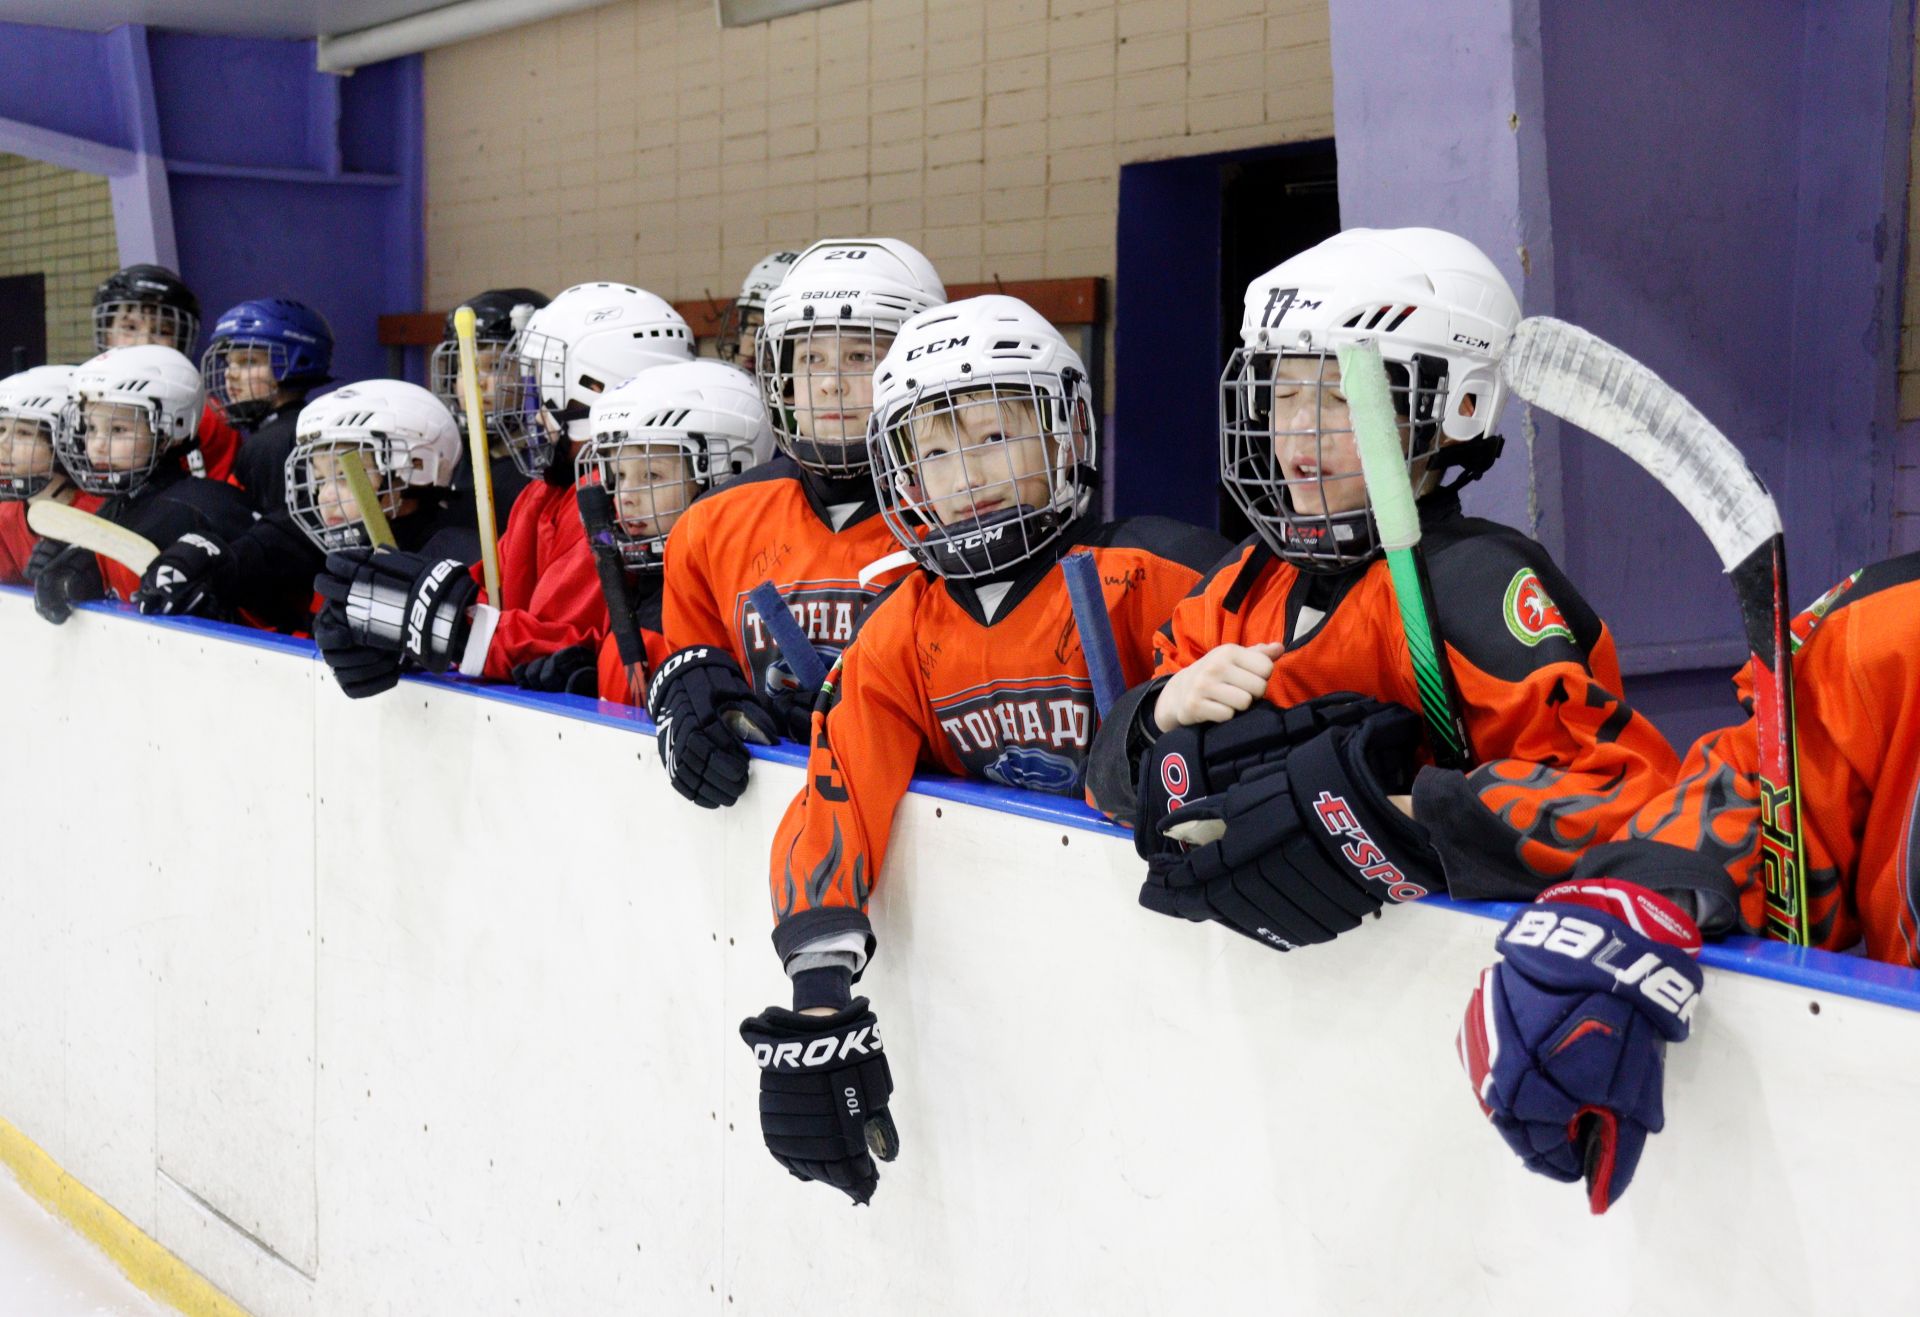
x=529, y=963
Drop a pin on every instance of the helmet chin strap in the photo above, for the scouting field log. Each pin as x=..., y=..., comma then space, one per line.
x=1473, y=458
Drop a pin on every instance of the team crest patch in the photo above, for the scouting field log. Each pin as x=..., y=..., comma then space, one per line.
x=1531, y=614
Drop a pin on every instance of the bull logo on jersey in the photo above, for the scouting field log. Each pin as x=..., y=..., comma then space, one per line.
x=1027, y=734
x=1531, y=614
x=827, y=613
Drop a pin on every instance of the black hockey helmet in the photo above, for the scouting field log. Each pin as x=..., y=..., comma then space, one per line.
x=493, y=312
x=171, y=312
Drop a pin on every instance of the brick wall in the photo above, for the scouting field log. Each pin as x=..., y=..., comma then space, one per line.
x=58, y=222
x=642, y=141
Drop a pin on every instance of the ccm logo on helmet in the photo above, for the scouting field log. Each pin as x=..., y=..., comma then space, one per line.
x=793, y=1056
x=938, y=345
x=1361, y=851
x=1582, y=939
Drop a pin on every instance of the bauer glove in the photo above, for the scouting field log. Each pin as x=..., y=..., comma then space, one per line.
x=402, y=601
x=1565, y=1038
x=824, y=1086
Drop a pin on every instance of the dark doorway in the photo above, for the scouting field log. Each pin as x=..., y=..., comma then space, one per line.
x=23, y=322
x=1192, y=234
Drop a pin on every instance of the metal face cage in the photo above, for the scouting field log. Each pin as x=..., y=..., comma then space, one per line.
x=27, y=461
x=529, y=386
x=110, y=447
x=131, y=324
x=817, y=378
x=651, y=476
x=318, y=496
x=1289, y=458
x=978, y=479
x=243, y=376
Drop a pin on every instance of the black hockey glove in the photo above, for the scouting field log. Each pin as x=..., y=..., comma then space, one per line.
x=707, y=713
x=793, y=710
x=570, y=671
x=403, y=601
x=360, y=669
x=1299, y=851
x=1190, y=762
x=63, y=575
x=824, y=1086
x=186, y=577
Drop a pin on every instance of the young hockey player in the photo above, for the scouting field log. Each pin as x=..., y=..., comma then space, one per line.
x=983, y=451
x=134, y=408
x=33, y=404
x=740, y=327
x=588, y=340
x=144, y=304
x=267, y=354
x=494, y=314
x=1279, y=723
x=658, y=442
x=807, y=521
x=1578, y=1098
x=410, y=447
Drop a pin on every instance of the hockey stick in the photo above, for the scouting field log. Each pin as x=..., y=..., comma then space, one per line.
x=1564, y=370
x=1091, y=620
x=802, y=658
x=596, y=514
x=478, y=453
x=58, y=521
x=1383, y=464
x=366, y=502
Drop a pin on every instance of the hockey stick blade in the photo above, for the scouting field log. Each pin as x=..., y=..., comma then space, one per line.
x=1383, y=465
x=58, y=521
x=1562, y=369
x=1095, y=625
x=1580, y=378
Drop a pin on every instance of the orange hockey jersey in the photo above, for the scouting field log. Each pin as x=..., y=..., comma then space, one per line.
x=550, y=595
x=933, y=683
x=770, y=525
x=1856, y=695
x=1562, y=761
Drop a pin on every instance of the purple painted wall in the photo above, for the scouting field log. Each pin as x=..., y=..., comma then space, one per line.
x=272, y=180
x=1719, y=189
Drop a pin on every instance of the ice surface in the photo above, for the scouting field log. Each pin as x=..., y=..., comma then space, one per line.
x=48, y=1270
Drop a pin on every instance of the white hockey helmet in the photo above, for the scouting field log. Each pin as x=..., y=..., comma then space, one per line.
x=33, y=408
x=588, y=340
x=705, y=414
x=406, y=439
x=130, y=405
x=761, y=280
x=982, y=438
x=832, y=320
x=1441, y=314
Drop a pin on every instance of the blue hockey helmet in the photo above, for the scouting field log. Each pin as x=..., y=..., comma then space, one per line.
x=260, y=346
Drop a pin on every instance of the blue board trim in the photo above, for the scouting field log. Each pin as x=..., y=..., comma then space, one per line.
x=1814, y=971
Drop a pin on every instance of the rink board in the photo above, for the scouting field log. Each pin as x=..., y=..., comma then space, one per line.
x=428, y=1004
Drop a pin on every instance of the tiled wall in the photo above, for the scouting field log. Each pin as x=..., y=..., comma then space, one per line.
x=59, y=223
x=642, y=141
